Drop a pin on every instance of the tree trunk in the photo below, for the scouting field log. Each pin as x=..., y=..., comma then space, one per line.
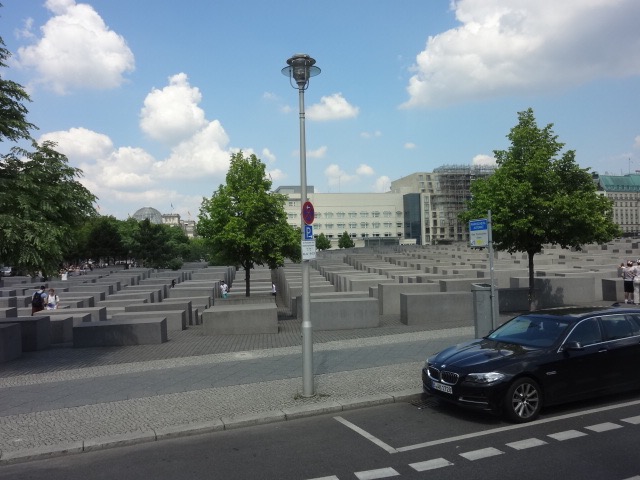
x=531, y=290
x=247, y=276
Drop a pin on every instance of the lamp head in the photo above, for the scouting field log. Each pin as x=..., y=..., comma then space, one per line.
x=301, y=68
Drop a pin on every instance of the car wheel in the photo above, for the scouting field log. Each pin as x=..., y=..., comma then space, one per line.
x=523, y=401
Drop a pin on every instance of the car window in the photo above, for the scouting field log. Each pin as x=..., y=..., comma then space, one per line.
x=587, y=332
x=618, y=326
x=530, y=330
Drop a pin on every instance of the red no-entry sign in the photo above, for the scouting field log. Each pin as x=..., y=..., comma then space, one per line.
x=308, y=215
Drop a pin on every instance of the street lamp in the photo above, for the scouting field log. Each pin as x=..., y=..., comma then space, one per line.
x=299, y=70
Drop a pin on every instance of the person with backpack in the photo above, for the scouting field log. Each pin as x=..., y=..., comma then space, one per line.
x=37, y=300
x=52, y=300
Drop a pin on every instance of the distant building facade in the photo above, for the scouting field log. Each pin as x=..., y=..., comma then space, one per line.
x=368, y=218
x=432, y=202
x=172, y=219
x=624, y=191
x=421, y=208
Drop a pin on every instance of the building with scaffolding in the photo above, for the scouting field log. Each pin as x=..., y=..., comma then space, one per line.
x=433, y=201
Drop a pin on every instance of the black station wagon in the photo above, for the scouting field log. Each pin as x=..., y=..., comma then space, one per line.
x=540, y=358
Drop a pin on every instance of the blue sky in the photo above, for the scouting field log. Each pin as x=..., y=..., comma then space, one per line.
x=150, y=97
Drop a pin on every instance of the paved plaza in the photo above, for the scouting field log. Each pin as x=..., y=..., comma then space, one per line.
x=65, y=400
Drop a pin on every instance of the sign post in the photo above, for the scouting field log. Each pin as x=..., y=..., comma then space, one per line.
x=480, y=235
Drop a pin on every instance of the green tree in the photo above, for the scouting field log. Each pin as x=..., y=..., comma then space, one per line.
x=104, y=240
x=152, y=245
x=13, y=113
x=244, y=224
x=322, y=242
x=536, y=198
x=41, y=204
x=345, y=241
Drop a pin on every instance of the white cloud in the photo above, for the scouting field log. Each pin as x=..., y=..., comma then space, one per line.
x=505, y=47
x=381, y=185
x=636, y=143
x=77, y=50
x=336, y=176
x=172, y=114
x=377, y=133
x=203, y=153
x=267, y=156
x=276, y=175
x=483, y=160
x=80, y=143
x=317, y=153
x=365, y=170
x=333, y=107
x=409, y=146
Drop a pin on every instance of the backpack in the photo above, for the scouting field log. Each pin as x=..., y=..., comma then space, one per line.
x=36, y=300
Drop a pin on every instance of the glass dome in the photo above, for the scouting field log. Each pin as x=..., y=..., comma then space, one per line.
x=145, y=213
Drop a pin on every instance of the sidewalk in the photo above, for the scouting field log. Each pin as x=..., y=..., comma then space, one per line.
x=66, y=400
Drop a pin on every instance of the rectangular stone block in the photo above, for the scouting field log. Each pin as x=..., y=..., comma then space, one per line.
x=115, y=333
x=240, y=319
x=10, y=342
x=35, y=332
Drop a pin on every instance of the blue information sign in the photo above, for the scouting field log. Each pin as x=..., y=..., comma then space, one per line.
x=479, y=232
x=308, y=232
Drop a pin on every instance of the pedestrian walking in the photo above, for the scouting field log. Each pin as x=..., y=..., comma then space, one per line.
x=38, y=300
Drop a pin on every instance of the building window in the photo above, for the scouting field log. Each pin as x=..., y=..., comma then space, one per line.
x=329, y=226
x=340, y=214
x=328, y=215
x=386, y=213
x=364, y=214
x=375, y=224
x=375, y=214
x=353, y=225
x=364, y=225
x=353, y=214
x=340, y=226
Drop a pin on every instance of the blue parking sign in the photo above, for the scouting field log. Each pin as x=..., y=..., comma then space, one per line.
x=308, y=232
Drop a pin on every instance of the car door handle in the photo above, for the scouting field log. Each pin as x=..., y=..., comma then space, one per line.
x=603, y=350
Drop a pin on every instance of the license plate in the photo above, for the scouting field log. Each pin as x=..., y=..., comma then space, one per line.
x=441, y=387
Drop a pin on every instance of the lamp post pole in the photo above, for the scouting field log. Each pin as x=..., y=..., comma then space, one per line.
x=299, y=70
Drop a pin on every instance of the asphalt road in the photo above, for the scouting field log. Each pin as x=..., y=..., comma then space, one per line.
x=414, y=440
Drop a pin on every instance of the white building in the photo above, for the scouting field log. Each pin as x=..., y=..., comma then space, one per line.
x=366, y=217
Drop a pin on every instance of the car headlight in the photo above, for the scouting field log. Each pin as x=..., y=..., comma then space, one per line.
x=488, y=377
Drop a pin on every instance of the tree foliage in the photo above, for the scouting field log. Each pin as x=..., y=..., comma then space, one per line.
x=41, y=204
x=537, y=198
x=322, y=242
x=345, y=241
x=245, y=224
x=13, y=113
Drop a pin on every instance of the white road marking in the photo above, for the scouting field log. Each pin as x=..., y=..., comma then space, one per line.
x=332, y=477
x=567, y=435
x=379, y=473
x=482, y=453
x=366, y=435
x=515, y=427
x=430, y=464
x=528, y=443
x=603, y=427
x=632, y=420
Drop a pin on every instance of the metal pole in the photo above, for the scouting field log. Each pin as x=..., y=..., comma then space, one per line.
x=308, y=388
x=494, y=313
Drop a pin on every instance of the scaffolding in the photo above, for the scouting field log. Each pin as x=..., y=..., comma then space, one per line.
x=451, y=196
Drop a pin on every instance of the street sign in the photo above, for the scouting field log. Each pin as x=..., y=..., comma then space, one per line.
x=308, y=214
x=308, y=249
x=308, y=232
x=478, y=233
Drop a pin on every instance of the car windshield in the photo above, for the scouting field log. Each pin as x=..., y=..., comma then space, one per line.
x=530, y=330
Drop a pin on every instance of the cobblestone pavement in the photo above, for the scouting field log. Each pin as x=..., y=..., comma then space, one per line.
x=65, y=400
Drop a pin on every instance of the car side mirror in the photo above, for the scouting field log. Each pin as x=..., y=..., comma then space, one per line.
x=572, y=346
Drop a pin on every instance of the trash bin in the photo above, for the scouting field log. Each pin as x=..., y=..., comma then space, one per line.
x=482, y=311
